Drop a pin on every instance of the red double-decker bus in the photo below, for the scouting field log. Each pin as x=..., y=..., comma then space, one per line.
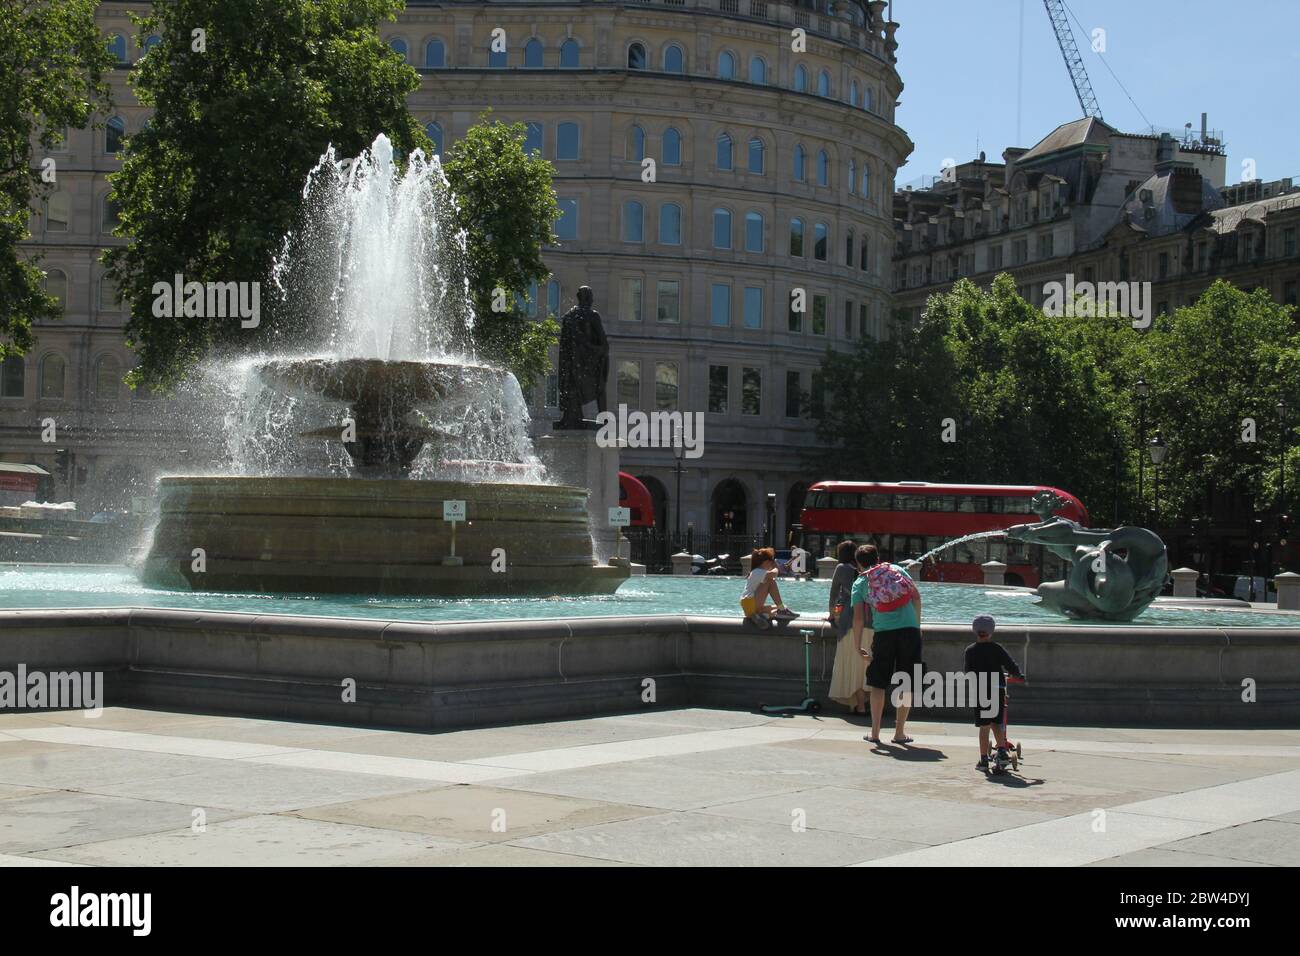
x=906, y=519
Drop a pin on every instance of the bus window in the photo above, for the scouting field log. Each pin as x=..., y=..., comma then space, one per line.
x=1017, y=506
x=941, y=503
x=969, y=552
x=817, y=499
x=1017, y=553
x=911, y=502
x=969, y=504
x=874, y=502
x=844, y=500
x=997, y=506
x=931, y=544
x=998, y=551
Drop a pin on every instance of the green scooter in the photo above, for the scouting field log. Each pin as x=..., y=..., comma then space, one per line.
x=810, y=704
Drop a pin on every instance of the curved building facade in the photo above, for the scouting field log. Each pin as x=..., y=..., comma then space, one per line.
x=715, y=161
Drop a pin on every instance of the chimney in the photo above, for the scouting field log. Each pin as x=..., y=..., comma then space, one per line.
x=1164, y=152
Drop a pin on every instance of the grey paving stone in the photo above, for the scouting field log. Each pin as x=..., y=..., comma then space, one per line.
x=50, y=820
x=94, y=768
x=696, y=839
x=1273, y=842
x=646, y=783
x=1132, y=771
x=474, y=813
x=881, y=816
x=1162, y=857
x=258, y=841
x=497, y=854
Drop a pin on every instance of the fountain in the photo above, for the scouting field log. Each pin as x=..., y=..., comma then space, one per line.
x=373, y=288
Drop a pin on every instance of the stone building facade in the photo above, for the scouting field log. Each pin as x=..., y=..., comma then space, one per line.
x=773, y=171
x=1100, y=206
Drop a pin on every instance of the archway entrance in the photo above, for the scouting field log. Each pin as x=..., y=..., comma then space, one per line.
x=659, y=495
x=794, y=499
x=730, y=508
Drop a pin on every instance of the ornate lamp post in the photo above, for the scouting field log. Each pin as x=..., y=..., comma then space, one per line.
x=678, y=453
x=1141, y=390
x=1158, y=451
x=1281, y=464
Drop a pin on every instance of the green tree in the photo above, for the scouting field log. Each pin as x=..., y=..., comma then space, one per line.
x=1026, y=398
x=506, y=205
x=247, y=95
x=1212, y=366
x=52, y=65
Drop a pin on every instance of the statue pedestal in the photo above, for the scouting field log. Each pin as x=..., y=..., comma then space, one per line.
x=574, y=458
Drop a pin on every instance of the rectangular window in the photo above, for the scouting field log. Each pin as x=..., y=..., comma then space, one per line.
x=720, y=305
x=533, y=139
x=751, y=391
x=819, y=315
x=818, y=396
x=796, y=318
x=629, y=384
x=1288, y=241
x=792, y=394
x=995, y=257
x=668, y=300
x=666, y=386
x=1164, y=265
x=863, y=320
x=1020, y=251
x=552, y=390
x=753, y=307
x=631, y=305
x=848, y=319
x=566, y=227
x=719, y=386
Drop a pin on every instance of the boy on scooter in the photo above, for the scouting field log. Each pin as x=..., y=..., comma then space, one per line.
x=987, y=657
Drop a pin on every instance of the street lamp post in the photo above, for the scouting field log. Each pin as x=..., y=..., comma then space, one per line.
x=771, y=519
x=1158, y=451
x=1141, y=389
x=678, y=453
x=1281, y=464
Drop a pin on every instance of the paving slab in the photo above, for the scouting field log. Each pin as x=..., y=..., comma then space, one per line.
x=475, y=813
x=1163, y=857
x=262, y=840
x=50, y=820
x=696, y=839
x=1271, y=842
x=498, y=854
x=880, y=816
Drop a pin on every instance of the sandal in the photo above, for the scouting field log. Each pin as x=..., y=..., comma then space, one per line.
x=901, y=740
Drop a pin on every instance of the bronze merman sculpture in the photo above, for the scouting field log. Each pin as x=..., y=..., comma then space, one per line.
x=1113, y=575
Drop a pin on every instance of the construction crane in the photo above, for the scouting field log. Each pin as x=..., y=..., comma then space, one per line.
x=1073, y=62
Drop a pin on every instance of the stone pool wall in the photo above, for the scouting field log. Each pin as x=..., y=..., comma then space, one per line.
x=464, y=674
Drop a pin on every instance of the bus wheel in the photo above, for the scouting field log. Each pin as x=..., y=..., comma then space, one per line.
x=1014, y=580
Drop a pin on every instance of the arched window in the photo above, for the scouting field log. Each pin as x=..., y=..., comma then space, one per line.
x=553, y=297
x=56, y=285
x=848, y=248
x=533, y=54
x=108, y=378
x=567, y=141
x=151, y=41
x=726, y=66
x=724, y=152
x=52, y=374
x=435, y=54
x=398, y=46
x=753, y=232
x=819, y=241
x=868, y=99
x=722, y=229
x=112, y=213
x=796, y=237
x=798, y=171
x=497, y=59
x=823, y=168
x=13, y=377
x=636, y=58
x=866, y=181
x=633, y=221
x=800, y=79
x=114, y=133
x=674, y=60
x=434, y=132
x=117, y=47
x=853, y=176
x=569, y=54
x=864, y=262
x=58, y=211
x=672, y=147
x=756, y=156
x=823, y=83
x=635, y=143
x=110, y=300
x=853, y=93
x=757, y=70
x=670, y=224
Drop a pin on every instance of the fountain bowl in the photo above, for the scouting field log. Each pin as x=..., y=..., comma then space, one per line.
x=371, y=536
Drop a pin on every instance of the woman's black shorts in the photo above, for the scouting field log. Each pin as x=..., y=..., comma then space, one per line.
x=891, y=652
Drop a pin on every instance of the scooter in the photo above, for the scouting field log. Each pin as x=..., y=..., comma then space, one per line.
x=1014, y=753
x=810, y=704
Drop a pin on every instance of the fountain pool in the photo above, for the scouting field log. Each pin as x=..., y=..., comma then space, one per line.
x=54, y=586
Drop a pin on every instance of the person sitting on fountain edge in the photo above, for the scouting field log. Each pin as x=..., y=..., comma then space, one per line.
x=759, y=586
x=987, y=656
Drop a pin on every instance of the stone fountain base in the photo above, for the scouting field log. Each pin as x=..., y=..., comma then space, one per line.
x=373, y=536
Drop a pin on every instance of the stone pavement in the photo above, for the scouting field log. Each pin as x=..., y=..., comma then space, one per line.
x=662, y=787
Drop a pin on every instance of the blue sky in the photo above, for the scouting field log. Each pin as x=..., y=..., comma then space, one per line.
x=1239, y=61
